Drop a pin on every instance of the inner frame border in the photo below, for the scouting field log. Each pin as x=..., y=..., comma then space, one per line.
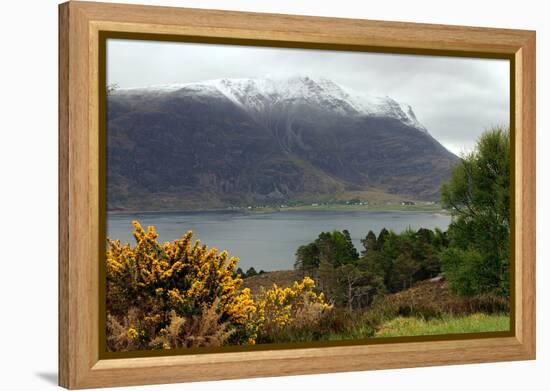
x=104, y=35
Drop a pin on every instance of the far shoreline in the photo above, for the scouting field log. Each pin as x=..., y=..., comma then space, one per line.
x=435, y=208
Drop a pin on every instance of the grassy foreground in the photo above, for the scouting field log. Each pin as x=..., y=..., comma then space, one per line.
x=475, y=323
x=427, y=308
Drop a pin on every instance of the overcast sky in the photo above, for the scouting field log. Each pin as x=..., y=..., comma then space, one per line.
x=455, y=98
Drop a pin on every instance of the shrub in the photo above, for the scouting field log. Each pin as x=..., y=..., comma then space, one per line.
x=281, y=311
x=206, y=329
x=151, y=286
x=182, y=295
x=137, y=332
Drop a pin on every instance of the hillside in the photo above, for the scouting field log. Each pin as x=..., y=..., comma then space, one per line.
x=257, y=141
x=426, y=298
x=430, y=308
x=432, y=298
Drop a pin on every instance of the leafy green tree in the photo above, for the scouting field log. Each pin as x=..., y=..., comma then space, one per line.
x=337, y=248
x=425, y=235
x=334, y=247
x=440, y=239
x=403, y=272
x=349, y=279
x=251, y=272
x=478, y=194
x=327, y=280
x=382, y=238
x=467, y=271
x=307, y=258
x=426, y=253
x=373, y=268
x=389, y=263
x=398, y=248
x=376, y=262
x=405, y=258
x=352, y=254
x=369, y=243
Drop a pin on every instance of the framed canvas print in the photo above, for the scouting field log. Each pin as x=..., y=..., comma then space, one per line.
x=247, y=195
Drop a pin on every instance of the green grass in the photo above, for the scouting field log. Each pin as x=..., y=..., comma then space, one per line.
x=359, y=331
x=475, y=323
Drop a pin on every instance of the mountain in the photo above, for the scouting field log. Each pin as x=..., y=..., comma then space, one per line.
x=239, y=141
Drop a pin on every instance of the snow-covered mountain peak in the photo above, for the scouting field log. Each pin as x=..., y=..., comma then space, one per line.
x=257, y=95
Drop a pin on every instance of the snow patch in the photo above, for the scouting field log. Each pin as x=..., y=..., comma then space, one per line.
x=258, y=94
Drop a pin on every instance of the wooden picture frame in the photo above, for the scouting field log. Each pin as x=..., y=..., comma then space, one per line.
x=80, y=174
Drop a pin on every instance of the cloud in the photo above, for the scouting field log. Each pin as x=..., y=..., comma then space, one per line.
x=455, y=98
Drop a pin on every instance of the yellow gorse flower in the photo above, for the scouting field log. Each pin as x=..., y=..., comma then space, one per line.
x=132, y=333
x=179, y=273
x=276, y=308
x=183, y=276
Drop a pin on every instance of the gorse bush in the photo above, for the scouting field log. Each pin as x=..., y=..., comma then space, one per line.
x=184, y=294
x=135, y=331
x=283, y=310
x=206, y=329
x=150, y=281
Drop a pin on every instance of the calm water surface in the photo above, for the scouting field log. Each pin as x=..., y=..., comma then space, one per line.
x=269, y=241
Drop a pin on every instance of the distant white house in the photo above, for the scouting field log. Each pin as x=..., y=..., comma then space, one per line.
x=357, y=202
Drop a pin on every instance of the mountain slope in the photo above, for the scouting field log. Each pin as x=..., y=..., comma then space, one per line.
x=237, y=141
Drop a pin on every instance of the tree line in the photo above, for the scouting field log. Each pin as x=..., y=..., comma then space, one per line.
x=388, y=262
x=473, y=254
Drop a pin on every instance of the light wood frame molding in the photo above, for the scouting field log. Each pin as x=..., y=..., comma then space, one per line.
x=80, y=365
